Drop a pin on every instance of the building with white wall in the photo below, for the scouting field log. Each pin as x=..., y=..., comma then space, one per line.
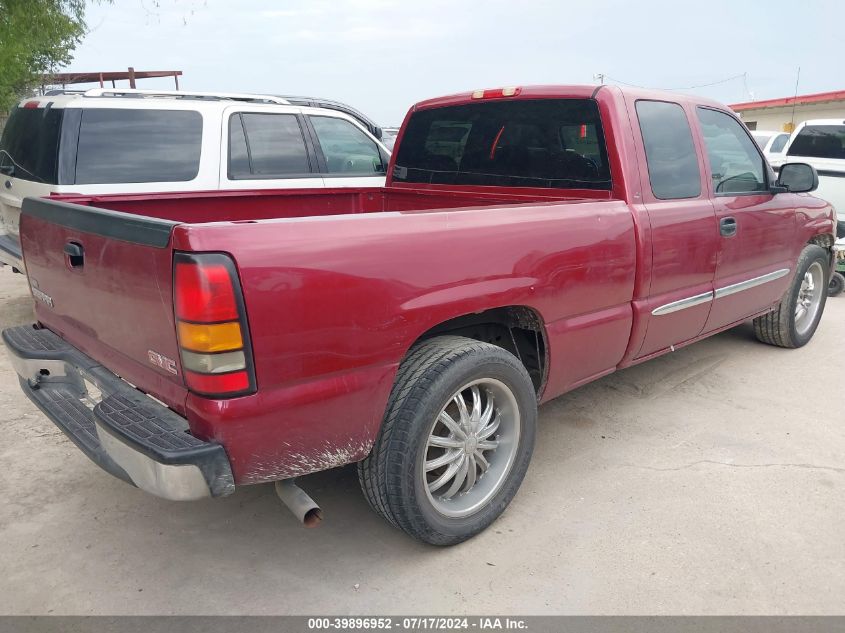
x=782, y=115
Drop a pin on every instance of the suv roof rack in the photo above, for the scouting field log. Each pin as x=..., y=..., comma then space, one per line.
x=331, y=104
x=181, y=94
x=314, y=102
x=55, y=92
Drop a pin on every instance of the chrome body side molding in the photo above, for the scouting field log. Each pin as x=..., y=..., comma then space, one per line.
x=704, y=297
x=682, y=304
x=751, y=283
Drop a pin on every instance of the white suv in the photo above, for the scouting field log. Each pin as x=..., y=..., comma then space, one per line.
x=140, y=141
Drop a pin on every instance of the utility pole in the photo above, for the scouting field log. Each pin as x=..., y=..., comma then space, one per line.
x=600, y=77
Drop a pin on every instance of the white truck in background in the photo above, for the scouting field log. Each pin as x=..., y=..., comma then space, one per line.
x=821, y=143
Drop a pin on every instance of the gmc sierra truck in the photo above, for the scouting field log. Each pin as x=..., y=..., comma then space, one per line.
x=528, y=240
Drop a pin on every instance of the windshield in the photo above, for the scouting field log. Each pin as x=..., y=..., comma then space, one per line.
x=553, y=143
x=819, y=141
x=29, y=147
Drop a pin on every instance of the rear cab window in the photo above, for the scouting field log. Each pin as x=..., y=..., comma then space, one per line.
x=672, y=161
x=549, y=143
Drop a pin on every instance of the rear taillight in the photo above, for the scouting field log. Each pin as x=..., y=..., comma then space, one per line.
x=211, y=326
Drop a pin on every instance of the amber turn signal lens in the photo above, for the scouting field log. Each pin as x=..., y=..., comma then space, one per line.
x=214, y=337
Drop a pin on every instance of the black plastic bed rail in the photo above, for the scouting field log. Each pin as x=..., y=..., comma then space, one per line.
x=126, y=227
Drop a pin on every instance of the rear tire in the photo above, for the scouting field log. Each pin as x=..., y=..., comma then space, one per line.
x=836, y=285
x=443, y=482
x=795, y=319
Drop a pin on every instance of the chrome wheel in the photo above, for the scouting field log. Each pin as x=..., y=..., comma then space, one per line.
x=809, y=298
x=471, y=447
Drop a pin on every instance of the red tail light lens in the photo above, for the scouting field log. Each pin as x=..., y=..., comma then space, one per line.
x=237, y=381
x=205, y=293
x=211, y=326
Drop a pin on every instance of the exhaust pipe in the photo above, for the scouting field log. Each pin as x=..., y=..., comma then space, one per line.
x=297, y=500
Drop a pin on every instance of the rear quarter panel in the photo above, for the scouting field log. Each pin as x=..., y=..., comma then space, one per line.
x=334, y=304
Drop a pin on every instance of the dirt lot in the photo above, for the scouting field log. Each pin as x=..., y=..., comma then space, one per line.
x=708, y=481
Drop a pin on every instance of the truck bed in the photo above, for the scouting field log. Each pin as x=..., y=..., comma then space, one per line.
x=333, y=302
x=244, y=206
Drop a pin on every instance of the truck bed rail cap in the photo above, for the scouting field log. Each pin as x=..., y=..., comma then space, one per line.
x=126, y=227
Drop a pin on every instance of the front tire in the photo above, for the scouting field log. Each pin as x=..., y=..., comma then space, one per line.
x=456, y=440
x=795, y=319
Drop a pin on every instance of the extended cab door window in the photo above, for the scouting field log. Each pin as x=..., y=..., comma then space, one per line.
x=736, y=165
x=266, y=146
x=347, y=149
x=670, y=153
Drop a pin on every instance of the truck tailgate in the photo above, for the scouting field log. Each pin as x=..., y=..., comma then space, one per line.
x=102, y=280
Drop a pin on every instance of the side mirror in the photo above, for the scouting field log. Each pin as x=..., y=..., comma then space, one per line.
x=798, y=177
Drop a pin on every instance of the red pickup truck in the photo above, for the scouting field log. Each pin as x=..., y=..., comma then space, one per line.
x=528, y=240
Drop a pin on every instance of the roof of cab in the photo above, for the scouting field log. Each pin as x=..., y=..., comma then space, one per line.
x=584, y=91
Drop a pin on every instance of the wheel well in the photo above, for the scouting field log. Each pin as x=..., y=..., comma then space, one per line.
x=517, y=329
x=825, y=240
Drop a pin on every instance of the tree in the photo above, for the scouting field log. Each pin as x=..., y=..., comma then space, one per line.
x=37, y=37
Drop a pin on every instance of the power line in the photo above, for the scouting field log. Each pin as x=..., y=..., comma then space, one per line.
x=712, y=83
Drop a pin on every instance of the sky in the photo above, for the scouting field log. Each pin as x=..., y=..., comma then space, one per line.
x=381, y=56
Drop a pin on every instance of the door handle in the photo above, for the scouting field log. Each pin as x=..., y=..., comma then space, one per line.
x=727, y=227
x=75, y=254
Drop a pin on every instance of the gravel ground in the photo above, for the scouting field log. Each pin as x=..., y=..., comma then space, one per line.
x=709, y=481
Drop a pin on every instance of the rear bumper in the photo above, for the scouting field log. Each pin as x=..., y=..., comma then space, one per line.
x=125, y=432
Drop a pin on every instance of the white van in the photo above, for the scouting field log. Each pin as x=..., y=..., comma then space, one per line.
x=140, y=141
